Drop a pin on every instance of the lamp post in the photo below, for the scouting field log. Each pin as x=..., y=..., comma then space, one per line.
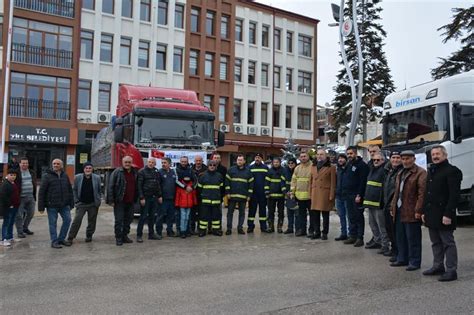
x=345, y=29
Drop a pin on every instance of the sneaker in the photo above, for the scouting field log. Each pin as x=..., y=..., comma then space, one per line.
x=6, y=243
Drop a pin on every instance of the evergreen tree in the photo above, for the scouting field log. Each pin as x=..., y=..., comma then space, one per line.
x=377, y=79
x=460, y=29
x=290, y=149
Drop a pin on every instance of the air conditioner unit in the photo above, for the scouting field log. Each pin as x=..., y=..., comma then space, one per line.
x=224, y=127
x=238, y=129
x=84, y=117
x=265, y=131
x=252, y=130
x=103, y=117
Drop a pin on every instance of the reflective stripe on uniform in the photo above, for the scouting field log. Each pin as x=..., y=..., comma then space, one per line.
x=371, y=203
x=262, y=219
x=259, y=170
x=276, y=195
x=211, y=202
x=302, y=179
x=274, y=180
x=372, y=183
x=251, y=218
x=243, y=180
x=303, y=195
x=211, y=187
x=238, y=196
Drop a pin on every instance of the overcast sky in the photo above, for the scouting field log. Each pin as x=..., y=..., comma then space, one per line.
x=412, y=43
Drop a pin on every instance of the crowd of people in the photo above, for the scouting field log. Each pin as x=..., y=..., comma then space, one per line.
x=398, y=194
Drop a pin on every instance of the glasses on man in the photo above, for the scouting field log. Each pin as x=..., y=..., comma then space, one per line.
x=377, y=160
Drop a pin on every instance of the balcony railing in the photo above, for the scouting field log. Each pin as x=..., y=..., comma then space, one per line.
x=34, y=108
x=42, y=56
x=54, y=7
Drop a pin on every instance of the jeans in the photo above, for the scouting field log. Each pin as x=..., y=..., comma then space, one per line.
x=377, y=225
x=443, y=245
x=230, y=213
x=166, y=208
x=65, y=213
x=261, y=203
x=25, y=214
x=315, y=221
x=148, y=214
x=184, y=219
x=408, y=242
x=343, y=215
x=8, y=222
x=302, y=215
x=81, y=210
x=123, y=213
x=356, y=217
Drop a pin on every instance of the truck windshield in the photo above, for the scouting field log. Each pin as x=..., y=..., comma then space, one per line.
x=427, y=124
x=173, y=131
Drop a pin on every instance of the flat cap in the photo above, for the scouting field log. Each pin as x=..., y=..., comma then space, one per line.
x=407, y=153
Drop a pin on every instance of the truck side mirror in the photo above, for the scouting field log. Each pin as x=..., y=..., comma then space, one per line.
x=118, y=134
x=220, y=139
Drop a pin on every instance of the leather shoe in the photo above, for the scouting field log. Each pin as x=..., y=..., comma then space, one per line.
x=241, y=231
x=412, y=268
x=300, y=233
x=350, y=241
x=359, y=243
x=250, y=230
x=154, y=237
x=448, y=276
x=171, y=234
x=398, y=264
x=118, y=242
x=65, y=243
x=88, y=239
x=288, y=232
x=393, y=259
x=228, y=232
x=373, y=246
x=434, y=271
x=21, y=235
x=127, y=240
x=370, y=242
x=324, y=237
x=56, y=245
x=217, y=233
x=341, y=238
x=28, y=232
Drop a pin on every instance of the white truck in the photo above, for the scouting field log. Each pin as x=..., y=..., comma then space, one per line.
x=438, y=112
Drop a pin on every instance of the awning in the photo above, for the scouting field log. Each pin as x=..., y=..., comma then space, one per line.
x=375, y=141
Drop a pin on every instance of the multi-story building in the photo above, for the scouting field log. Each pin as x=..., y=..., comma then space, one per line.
x=42, y=102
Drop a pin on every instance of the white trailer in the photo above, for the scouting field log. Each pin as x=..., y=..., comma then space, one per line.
x=437, y=112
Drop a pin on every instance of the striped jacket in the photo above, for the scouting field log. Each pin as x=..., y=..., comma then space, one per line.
x=239, y=183
x=300, y=181
x=374, y=190
x=275, y=183
x=209, y=187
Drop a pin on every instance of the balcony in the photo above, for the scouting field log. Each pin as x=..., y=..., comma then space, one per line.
x=41, y=56
x=55, y=7
x=34, y=108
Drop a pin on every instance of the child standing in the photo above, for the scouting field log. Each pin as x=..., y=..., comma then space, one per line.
x=9, y=203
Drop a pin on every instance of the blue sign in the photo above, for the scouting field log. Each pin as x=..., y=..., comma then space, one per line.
x=408, y=101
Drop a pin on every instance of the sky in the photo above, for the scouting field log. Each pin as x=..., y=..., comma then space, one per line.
x=412, y=45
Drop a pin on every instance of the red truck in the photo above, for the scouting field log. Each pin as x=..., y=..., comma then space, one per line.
x=153, y=122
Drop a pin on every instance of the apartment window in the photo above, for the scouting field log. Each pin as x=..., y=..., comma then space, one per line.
x=304, y=118
x=264, y=114
x=84, y=94
x=145, y=10
x=143, y=53
x=225, y=19
x=104, y=96
x=304, y=82
x=208, y=101
x=108, y=6
x=163, y=12
x=277, y=39
x=195, y=14
x=210, y=17
x=178, y=59
x=253, y=33
x=237, y=111
x=160, y=56
x=125, y=50
x=88, y=4
x=179, y=16
x=193, y=62
x=209, y=65
x=304, y=45
x=251, y=75
x=276, y=115
x=238, y=70
x=222, y=106
x=251, y=112
x=87, y=44
x=277, y=77
x=265, y=35
x=106, y=43
x=239, y=30
x=127, y=8
x=264, y=74
x=288, y=111
x=289, y=79
x=289, y=42
x=224, y=64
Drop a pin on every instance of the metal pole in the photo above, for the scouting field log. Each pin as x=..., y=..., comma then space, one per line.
x=350, y=140
x=6, y=86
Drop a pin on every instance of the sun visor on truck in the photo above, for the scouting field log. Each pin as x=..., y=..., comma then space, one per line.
x=166, y=112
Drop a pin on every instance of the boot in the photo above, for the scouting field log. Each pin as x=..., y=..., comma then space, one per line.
x=202, y=233
x=250, y=229
x=217, y=232
x=279, y=227
x=271, y=227
x=351, y=240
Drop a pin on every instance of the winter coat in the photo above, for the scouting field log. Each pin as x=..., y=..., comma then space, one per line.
x=389, y=185
x=55, y=191
x=259, y=172
x=6, y=192
x=19, y=180
x=443, y=188
x=168, y=183
x=275, y=183
x=323, y=187
x=239, y=183
x=76, y=189
x=374, y=189
x=199, y=172
x=148, y=182
x=301, y=181
x=117, y=184
x=340, y=173
x=209, y=187
x=354, y=179
x=186, y=178
x=413, y=194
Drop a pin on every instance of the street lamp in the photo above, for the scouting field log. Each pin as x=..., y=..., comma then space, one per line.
x=345, y=29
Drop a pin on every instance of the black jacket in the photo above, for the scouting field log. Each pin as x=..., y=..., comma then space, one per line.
x=148, y=183
x=443, y=186
x=116, y=186
x=354, y=179
x=374, y=188
x=389, y=185
x=275, y=183
x=19, y=180
x=6, y=190
x=239, y=183
x=340, y=173
x=55, y=191
x=209, y=187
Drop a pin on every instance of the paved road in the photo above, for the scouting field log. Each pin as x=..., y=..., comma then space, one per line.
x=232, y=274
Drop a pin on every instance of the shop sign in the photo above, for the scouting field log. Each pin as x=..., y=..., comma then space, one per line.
x=38, y=135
